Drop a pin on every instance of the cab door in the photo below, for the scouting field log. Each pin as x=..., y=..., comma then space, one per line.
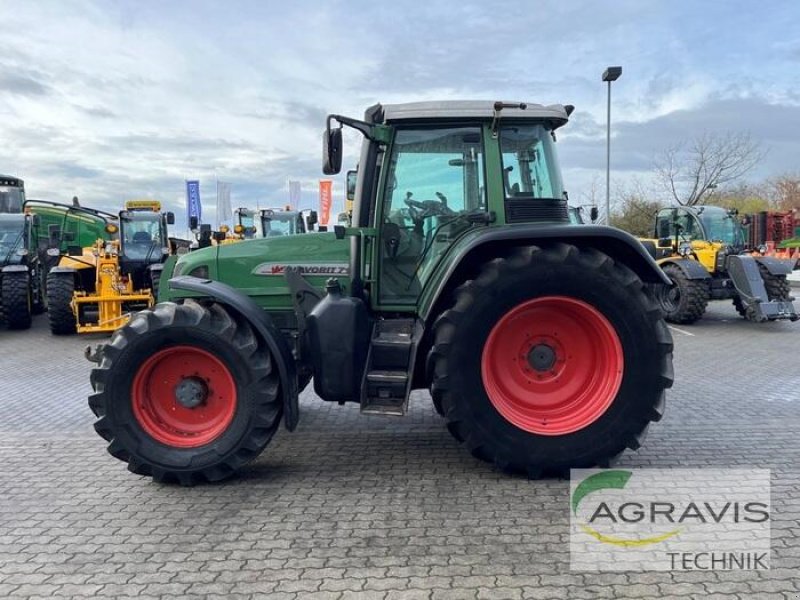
x=432, y=181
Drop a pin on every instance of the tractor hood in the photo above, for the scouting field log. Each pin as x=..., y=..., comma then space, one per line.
x=256, y=267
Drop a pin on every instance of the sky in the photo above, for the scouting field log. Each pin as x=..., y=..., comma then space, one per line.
x=110, y=100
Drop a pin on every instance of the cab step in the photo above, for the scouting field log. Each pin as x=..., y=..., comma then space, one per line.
x=387, y=379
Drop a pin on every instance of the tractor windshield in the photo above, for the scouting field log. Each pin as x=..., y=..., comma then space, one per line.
x=11, y=199
x=721, y=226
x=530, y=167
x=142, y=237
x=12, y=229
x=278, y=224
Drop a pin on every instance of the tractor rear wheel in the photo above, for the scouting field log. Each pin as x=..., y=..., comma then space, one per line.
x=186, y=393
x=16, y=300
x=60, y=289
x=551, y=359
x=686, y=301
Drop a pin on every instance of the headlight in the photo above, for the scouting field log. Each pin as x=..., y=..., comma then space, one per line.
x=53, y=252
x=201, y=272
x=22, y=252
x=685, y=250
x=762, y=249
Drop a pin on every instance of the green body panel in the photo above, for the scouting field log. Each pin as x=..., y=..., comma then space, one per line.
x=86, y=227
x=256, y=267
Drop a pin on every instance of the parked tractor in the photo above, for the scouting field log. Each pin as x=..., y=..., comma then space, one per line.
x=21, y=293
x=97, y=289
x=541, y=342
x=702, y=251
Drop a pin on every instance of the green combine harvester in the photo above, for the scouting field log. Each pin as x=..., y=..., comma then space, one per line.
x=540, y=341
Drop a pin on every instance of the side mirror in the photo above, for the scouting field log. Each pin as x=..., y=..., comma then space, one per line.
x=593, y=214
x=192, y=222
x=663, y=229
x=171, y=218
x=332, y=151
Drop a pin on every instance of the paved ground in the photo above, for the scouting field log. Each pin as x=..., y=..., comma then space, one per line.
x=369, y=507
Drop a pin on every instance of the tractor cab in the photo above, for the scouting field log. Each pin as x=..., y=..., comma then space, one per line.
x=245, y=227
x=12, y=194
x=143, y=236
x=711, y=224
x=15, y=235
x=276, y=222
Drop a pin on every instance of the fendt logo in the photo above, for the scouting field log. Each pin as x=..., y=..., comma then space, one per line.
x=670, y=519
x=303, y=269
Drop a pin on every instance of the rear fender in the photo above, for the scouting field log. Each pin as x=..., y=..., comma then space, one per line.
x=621, y=246
x=691, y=268
x=246, y=307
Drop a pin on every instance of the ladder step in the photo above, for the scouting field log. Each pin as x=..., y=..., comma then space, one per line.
x=388, y=377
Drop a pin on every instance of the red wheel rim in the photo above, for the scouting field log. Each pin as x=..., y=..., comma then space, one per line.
x=160, y=402
x=552, y=365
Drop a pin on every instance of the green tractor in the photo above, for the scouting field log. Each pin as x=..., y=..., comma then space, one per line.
x=540, y=341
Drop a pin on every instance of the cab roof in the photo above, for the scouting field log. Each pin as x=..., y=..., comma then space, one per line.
x=556, y=114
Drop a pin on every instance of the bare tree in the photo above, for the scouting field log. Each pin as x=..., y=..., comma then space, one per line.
x=691, y=170
x=634, y=210
x=784, y=191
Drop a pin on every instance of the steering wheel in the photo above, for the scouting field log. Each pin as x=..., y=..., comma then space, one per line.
x=422, y=209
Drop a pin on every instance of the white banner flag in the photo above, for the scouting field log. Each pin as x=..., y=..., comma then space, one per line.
x=294, y=194
x=224, y=212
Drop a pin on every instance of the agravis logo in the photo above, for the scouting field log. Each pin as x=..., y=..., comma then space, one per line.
x=610, y=480
x=644, y=519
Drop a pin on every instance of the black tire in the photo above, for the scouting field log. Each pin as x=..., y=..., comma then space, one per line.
x=741, y=308
x=231, y=340
x=16, y=300
x=686, y=301
x=777, y=286
x=587, y=275
x=40, y=297
x=60, y=289
x=155, y=279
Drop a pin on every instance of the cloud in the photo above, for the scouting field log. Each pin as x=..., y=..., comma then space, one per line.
x=21, y=84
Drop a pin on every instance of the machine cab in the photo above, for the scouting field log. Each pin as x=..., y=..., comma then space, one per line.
x=143, y=236
x=698, y=224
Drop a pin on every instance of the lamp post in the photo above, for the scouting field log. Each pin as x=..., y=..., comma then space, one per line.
x=609, y=75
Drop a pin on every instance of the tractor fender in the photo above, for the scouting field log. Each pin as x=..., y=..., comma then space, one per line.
x=691, y=268
x=63, y=270
x=776, y=266
x=234, y=300
x=618, y=244
x=15, y=269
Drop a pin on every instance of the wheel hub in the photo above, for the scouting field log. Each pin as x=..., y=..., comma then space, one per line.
x=542, y=357
x=191, y=392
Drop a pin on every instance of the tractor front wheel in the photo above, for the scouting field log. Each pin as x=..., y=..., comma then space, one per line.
x=686, y=301
x=16, y=300
x=551, y=359
x=60, y=289
x=186, y=393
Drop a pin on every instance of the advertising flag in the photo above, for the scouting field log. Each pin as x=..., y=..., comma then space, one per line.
x=193, y=207
x=325, y=200
x=224, y=212
x=294, y=194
